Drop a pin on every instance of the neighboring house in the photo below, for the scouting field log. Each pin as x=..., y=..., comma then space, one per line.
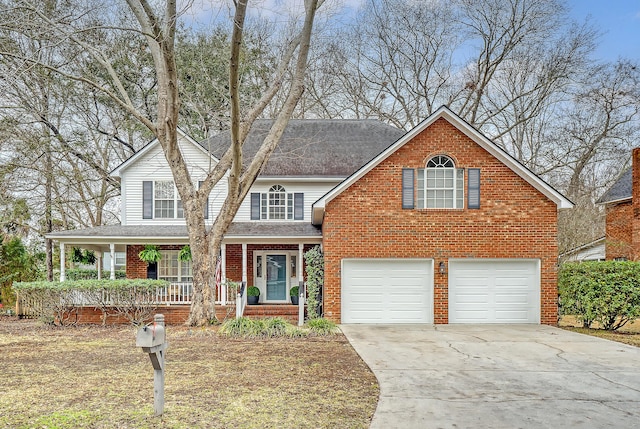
x=437, y=225
x=622, y=227
x=592, y=251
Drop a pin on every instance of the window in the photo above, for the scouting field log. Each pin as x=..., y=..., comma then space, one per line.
x=441, y=185
x=277, y=204
x=166, y=202
x=172, y=269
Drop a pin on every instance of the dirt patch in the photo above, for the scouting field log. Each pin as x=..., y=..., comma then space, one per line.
x=628, y=334
x=95, y=377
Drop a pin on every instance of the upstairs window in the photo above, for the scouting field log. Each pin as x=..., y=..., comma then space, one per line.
x=277, y=204
x=440, y=186
x=160, y=200
x=443, y=185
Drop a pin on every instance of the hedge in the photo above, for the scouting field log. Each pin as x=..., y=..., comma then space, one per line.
x=604, y=292
x=59, y=302
x=82, y=274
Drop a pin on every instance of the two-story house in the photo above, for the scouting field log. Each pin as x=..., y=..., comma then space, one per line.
x=435, y=225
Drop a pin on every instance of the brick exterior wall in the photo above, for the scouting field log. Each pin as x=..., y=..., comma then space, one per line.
x=619, y=231
x=137, y=269
x=623, y=220
x=635, y=198
x=514, y=221
x=234, y=258
x=174, y=315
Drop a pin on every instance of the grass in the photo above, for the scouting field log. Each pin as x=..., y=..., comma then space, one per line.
x=95, y=377
x=628, y=334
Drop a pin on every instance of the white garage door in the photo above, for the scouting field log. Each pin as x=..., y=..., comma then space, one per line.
x=387, y=291
x=494, y=291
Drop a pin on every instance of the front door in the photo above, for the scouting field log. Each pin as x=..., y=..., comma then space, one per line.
x=276, y=277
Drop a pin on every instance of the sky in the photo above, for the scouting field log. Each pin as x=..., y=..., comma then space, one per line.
x=619, y=20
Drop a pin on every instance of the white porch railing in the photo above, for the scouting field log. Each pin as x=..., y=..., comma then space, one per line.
x=174, y=293
x=241, y=300
x=180, y=293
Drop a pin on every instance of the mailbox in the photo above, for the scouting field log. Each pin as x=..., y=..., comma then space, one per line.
x=152, y=340
x=150, y=336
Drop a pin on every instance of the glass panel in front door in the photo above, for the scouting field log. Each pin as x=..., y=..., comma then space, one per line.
x=276, y=277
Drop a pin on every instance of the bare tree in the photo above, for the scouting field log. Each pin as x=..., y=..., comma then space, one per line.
x=156, y=26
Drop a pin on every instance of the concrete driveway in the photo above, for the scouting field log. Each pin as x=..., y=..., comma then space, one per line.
x=498, y=376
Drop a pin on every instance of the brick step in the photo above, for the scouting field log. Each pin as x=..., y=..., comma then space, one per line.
x=286, y=311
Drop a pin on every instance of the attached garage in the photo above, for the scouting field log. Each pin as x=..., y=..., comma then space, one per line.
x=387, y=291
x=494, y=291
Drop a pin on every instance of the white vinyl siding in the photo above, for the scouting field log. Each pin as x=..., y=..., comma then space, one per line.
x=312, y=192
x=152, y=166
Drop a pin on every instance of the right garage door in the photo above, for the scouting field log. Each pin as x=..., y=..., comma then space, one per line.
x=494, y=291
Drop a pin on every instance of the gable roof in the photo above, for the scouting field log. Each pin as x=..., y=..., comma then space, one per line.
x=444, y=112
x=620, y=190
x=116, y=172
x=314, y=147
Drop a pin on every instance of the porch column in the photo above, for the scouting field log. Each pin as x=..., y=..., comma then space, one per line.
x=99, y=264
x=244, y=264
x=223, y=274
x=302, y=292
x=63, y=275
x=112, y=248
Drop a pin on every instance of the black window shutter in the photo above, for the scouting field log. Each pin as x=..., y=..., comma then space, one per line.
x=298, y=206
x=206, y=207
x=255, y=206
x=473, y=197
x=147, y=200
x=407, y=188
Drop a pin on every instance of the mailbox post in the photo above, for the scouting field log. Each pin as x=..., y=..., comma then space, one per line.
x=152, y=339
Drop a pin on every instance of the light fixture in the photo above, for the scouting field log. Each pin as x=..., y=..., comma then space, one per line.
x=442, y=267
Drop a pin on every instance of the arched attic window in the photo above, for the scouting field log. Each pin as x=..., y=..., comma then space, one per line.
x=441, y=184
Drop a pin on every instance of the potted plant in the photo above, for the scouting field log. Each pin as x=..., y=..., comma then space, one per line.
x=150, y=254
x=185, y=254
x=294, y=292
x=253, y=294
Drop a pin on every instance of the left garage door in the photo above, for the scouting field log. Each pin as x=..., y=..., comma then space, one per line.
x=387, y=291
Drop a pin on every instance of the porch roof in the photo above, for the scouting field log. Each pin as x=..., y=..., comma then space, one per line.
x=239, y=232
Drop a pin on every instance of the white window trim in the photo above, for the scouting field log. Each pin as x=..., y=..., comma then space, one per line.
x=265, y=205
x=176, y=201
x=169, y=254
x=458, y=202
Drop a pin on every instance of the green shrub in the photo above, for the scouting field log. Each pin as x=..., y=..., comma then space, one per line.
x=294, y=291
x=604, y=292
x=242, y=327
x=81, y=274
x=314, y=266
x=58, y=302
x=275, y=327
x=322, y=326
x=253, y=291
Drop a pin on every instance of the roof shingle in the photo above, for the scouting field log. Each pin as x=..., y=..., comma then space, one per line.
x=315, y=147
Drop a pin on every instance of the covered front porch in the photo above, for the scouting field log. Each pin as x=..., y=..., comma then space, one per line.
x=269, y=256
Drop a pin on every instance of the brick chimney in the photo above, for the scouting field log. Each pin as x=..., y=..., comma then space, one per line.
x=635, y=195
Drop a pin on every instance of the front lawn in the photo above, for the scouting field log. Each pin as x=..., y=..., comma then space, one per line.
x=95, y=377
